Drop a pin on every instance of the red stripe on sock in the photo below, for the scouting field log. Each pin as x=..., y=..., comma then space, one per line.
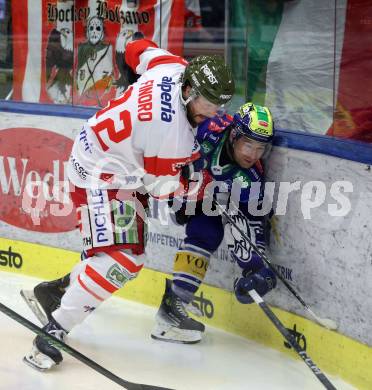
x=89, y=290
x=100, y=280
x=125, y=262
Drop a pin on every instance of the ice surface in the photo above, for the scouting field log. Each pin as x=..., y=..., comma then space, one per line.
x=117, y=336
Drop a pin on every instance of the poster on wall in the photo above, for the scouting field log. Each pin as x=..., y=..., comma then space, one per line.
x=72, y=52
x=353, y=111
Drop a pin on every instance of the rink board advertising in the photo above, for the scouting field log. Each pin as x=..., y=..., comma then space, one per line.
x=315, y=252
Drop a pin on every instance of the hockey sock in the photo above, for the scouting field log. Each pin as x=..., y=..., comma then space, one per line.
x=102, y=275
x=190, y=266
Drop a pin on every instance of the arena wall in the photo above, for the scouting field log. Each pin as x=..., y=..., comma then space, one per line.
x=326, y=258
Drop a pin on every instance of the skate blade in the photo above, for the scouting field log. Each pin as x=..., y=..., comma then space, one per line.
x=172, y=334
x=168, y=340
x=33, y=304
x=38, y=361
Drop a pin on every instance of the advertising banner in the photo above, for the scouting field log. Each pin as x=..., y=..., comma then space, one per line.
x=323, y=247
x=28, y=156
x=34, y=201
x=325, y=256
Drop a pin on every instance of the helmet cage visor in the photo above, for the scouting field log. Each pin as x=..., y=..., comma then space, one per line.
x=205, y=106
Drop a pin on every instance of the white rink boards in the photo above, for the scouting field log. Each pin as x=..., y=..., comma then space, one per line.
x=117, y=336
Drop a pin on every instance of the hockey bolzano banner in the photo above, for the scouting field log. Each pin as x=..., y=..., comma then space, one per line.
x=72, y=52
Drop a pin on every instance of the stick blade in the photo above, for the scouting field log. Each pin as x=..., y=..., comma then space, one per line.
x=149, y=387
x=33, y=304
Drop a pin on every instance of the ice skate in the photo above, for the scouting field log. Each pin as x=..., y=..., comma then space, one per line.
x=193, y=309
x=173, y=324
x=43, y=355
x=46, y=297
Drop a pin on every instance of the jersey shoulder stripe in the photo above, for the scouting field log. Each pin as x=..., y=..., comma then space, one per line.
x=134, y=50
x=166, y=59
x=159, y=166
x=143, y=54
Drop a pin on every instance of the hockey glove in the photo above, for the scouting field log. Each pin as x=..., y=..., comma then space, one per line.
x=262, y=281
x=193, y=188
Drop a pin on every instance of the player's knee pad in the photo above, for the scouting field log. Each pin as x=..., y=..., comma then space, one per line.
x=109, y=223
x=190, y=266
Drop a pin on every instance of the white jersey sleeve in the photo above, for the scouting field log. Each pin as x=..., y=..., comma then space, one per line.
x=163, y=160
x=143, y=55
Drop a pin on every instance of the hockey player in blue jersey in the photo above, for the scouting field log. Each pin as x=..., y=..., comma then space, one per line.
x=231, y=149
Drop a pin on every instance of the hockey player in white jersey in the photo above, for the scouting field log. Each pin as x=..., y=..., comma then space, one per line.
x=133, y=148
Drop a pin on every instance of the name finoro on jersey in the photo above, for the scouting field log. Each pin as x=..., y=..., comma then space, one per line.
x=166, y=99
x=145, y=101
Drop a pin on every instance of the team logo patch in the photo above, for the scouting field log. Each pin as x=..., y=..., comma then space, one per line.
x=263, y=123
x=242, y=179
x=260, y=130
x=118, y=276
x=244, y=109
x=211, y=77
x=125, y=224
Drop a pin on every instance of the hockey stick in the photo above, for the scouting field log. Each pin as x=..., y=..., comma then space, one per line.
x=291, y=340
x=76, y=354
x=326, y=322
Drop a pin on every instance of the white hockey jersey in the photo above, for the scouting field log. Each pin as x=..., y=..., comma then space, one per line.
x=141, y=138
